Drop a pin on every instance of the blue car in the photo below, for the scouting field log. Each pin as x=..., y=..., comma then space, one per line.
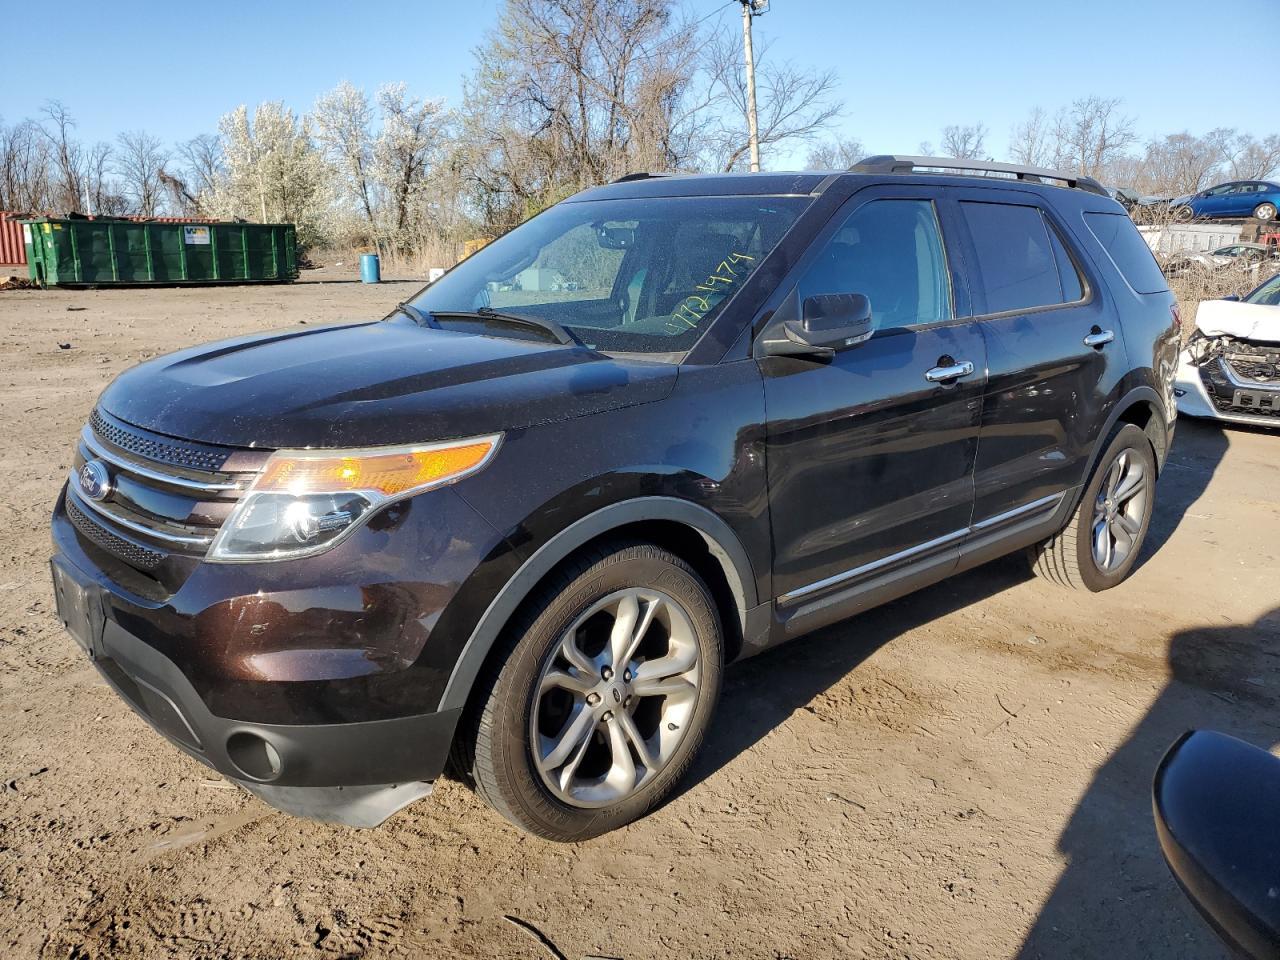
x=1240, y=198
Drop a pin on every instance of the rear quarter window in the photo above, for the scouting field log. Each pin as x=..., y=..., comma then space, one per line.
x=1127, y=250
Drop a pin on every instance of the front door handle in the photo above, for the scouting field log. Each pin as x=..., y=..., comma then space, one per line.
x=1099, y=338
x=952, y=371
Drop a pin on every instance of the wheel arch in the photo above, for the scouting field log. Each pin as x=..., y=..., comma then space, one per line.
x=1141, y=406
x=675, y=524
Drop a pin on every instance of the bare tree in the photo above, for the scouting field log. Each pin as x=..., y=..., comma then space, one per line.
x=201, y=163
x=794, y=104
x=1180, y=163
x=1091, y=134
x=1248, y=158
x=24, y=168
x=568, y=93
x=1031, y=141
x=67, y=156
x=838, y=154
x=103, y=195
x=964, y=143
x=140, y=162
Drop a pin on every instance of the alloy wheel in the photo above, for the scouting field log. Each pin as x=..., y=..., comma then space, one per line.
x=1119, y=512
x=615, y=698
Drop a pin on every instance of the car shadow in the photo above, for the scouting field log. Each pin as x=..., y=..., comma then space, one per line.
x=762, y=692
x=1115, y=897
x=1198, y=448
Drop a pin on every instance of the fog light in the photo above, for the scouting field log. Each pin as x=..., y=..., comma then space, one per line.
x=254, y=756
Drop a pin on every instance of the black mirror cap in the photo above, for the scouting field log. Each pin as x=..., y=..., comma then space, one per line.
x=836, y=310
x=1216, y=802
x=828, y=323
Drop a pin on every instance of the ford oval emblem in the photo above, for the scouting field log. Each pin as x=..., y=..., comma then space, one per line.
x=95, y=482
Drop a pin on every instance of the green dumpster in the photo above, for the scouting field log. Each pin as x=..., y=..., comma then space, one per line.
x=108, y=251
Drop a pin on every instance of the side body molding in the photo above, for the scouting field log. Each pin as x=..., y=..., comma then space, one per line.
x=721, y=541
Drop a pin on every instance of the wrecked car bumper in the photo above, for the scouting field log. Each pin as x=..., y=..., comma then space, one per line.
x=1213, y=386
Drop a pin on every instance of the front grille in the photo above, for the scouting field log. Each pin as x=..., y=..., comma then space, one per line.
x=132, y=553
x=165, y=497
x=161, y=449
x=1254, y=369
x=1223, y=393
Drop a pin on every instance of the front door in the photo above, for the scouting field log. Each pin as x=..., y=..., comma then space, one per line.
x=870, y=454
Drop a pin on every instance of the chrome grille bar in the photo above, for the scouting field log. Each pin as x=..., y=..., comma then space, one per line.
x=144, y=529
x=129, y=466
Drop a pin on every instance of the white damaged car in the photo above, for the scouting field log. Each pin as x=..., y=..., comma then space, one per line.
x=1230, y=368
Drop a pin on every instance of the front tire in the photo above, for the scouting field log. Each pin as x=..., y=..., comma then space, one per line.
x=602, y=696
x=1099, y=546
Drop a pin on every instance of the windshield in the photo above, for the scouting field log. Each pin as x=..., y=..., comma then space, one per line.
x=1268, y=294
x=643, y=275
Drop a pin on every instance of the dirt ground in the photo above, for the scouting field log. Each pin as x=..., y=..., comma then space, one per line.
x=962, y=774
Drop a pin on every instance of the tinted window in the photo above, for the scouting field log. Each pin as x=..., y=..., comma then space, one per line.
x=1128, y=251
x=1068, y=275
x=891, y=252
x=638, y=275
x=1016, y=261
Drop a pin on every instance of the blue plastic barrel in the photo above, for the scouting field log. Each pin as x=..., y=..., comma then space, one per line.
x=370, y=269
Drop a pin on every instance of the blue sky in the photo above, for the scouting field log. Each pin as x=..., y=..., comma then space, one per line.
x=906, y=69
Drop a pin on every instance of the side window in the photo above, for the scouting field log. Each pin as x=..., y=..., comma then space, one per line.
x=1068, y=275
x=1016, y=261
x=891, y=252
x=1128, y=251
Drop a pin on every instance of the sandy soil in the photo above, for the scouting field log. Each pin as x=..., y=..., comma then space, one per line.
x=964, y=773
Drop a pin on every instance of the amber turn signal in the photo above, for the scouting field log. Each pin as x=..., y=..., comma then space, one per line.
x=386, y=471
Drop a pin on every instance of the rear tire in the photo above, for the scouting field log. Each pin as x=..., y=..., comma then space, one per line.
x=601, y=697
x=1100, y=544
x=1265, y=212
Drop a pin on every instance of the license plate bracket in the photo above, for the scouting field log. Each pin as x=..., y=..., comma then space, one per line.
x=79, y=606
x=1262, y=401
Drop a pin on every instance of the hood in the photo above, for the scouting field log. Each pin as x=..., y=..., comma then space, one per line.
x=1244, y=321
x=373, y=384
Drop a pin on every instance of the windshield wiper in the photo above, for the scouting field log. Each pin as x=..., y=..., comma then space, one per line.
x=559, y=333
x=416, y=315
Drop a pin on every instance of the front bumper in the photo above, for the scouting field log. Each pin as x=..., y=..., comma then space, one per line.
x=1196, y=398
x=354, y=773
x=314, y=684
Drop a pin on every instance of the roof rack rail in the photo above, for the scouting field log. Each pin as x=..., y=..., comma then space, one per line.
x=894, y=163
x=638, y=176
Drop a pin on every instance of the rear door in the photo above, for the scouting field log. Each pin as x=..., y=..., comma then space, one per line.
x=1054, y=353
x=869, y=454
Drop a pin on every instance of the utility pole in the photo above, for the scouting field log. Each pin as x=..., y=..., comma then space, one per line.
x=752, y=8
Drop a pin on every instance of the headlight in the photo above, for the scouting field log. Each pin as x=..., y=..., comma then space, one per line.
x=305, y=501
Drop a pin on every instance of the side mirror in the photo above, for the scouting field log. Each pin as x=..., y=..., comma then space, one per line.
x=1217, y=811
x=828, y=323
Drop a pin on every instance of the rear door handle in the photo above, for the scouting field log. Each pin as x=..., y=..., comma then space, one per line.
x=1099, y=338
x=951, y=372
